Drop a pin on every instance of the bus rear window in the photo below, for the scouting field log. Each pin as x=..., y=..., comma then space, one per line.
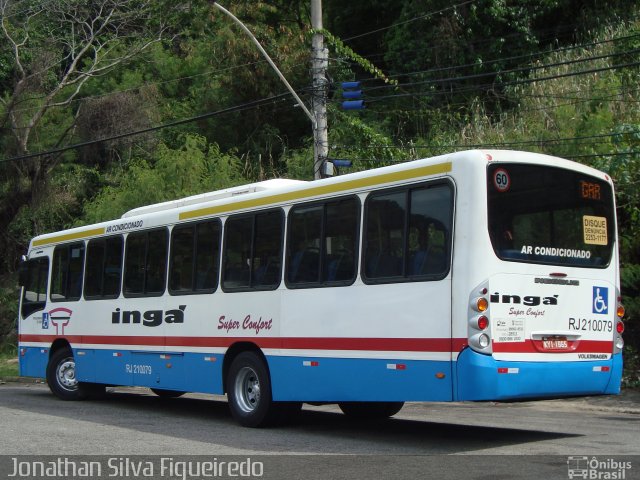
x=548, y=215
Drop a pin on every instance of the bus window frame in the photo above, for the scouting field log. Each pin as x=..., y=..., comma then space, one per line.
x=36, y=306
x=252, y=215
x=611, y=227
x=218, y=260
x=91, y=298
x=449, y=240
x=357, y=254
x=144, y=294
x=68, y=247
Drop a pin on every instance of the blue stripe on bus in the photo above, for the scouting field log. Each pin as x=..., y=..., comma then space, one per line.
x=194, y=372
x=358, y=379
x=473, y=377
x=32, y=361
x=478, y=378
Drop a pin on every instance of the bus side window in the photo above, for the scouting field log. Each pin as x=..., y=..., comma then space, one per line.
x=103, y=271
x=384, y=244
x=342, y=219
x=427, y=239
x=252, y=255
x=194, y=258
x=267, y=256
x=322, y=243
x=303, y=244
x=407, y=233
x=237, y=252
x=35, y=285
x=207, y=256
x=66, y=276
x=145, y=263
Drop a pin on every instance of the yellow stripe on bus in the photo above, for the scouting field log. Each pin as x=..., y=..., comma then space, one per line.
x=322, y=190
x=69, y=236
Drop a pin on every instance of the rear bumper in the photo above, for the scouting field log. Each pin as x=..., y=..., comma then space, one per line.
x=481, y=377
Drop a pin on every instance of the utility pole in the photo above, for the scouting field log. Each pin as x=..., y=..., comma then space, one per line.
x=319, y=65
x=268, y=58
x=320, y=62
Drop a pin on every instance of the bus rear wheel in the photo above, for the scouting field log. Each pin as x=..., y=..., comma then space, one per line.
x=62, y=380
x=370, y=410
x=249, y=392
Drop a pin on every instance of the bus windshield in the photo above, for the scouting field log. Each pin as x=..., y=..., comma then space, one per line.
x=549, y=215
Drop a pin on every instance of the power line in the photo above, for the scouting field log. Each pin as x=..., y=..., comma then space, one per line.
x=237, y=108
x=554, y=33
x=145, y=85
x=504, y=59
x=503, y=72
x=427, y=15
x=501, y=144
x=503, y=84
x=515, y=70
x=577, y=101
x=384, y=161
x=612, y=154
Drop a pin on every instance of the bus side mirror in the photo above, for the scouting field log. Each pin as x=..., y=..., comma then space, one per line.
x=23, y=271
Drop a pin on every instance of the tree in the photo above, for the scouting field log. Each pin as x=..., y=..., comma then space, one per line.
x=58, y=46
x=50, y=50
x=195, y=167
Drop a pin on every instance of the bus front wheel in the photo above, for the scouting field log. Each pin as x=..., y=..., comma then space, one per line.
x=62, y=380
x=370, y=410
x=249, y=393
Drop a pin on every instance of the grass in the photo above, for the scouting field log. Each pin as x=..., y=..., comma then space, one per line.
x=8, y=365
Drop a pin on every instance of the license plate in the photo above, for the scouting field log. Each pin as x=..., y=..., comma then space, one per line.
x=555, y=344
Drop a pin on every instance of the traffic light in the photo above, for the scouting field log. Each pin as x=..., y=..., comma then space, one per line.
x=352, y=94
x=340, y=163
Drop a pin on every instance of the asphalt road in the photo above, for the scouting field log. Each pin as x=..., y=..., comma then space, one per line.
x=489, y=440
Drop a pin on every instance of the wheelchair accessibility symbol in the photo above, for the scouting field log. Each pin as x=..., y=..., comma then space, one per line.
x=600, y=300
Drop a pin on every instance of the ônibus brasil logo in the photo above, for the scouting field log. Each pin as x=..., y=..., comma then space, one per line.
x=58, y=317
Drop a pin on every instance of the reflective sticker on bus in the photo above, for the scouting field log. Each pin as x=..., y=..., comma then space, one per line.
x=509, y=330
x=594, y=230
x=501, y=180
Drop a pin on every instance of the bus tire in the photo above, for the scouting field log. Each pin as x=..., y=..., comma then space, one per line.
x=370, y=410
x=249, y=392
x=167, y=393
x=62, y=380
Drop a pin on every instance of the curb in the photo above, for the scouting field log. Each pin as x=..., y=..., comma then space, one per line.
x=27, y=380
x=628, y=402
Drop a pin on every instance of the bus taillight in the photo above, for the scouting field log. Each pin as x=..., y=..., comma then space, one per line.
x=479, y=322
x=618, y=341
x=481, y=304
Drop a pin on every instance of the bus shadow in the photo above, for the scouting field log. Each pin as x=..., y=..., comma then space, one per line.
x=209, y=421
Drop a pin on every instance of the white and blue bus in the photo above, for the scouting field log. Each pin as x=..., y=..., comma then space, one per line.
x=480, y=275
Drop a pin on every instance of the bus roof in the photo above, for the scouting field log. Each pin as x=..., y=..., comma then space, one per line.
x=278, y=191
x=216, y=195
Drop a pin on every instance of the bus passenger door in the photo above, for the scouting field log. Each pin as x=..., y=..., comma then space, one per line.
x=33, y=321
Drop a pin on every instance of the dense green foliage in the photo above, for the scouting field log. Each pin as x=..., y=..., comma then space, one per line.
x=555, y=76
